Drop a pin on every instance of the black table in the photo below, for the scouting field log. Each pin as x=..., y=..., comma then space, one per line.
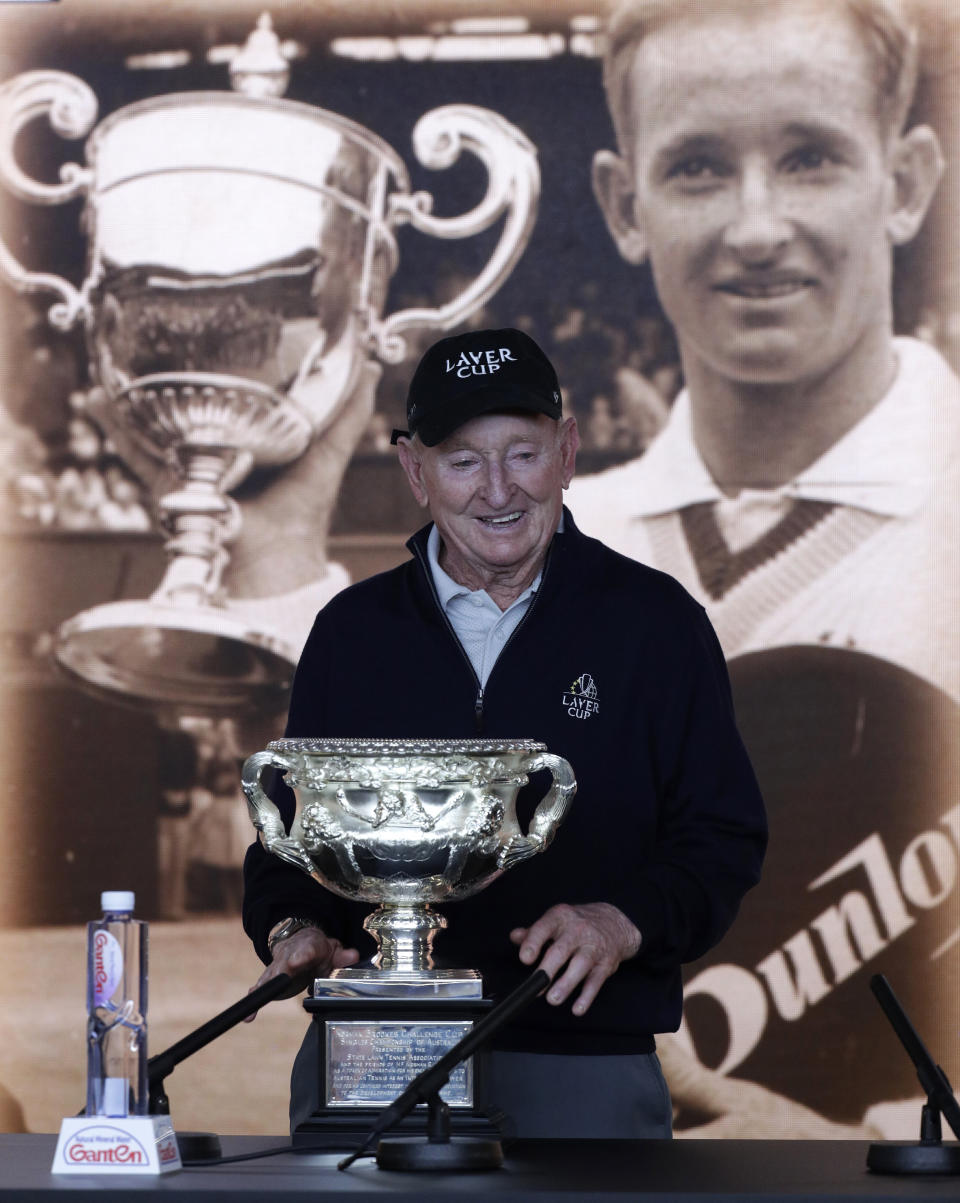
x=535, y=1171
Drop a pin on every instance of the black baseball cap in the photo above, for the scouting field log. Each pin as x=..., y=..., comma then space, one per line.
x=479, y=372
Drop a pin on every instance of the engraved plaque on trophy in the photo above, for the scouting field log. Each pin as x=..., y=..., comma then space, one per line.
x=403, y=825
x=369, y=1064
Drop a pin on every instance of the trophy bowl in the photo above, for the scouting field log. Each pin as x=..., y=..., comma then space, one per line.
x=404, y=824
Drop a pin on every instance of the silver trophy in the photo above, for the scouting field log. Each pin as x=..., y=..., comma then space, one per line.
x=403, y=825
x=240, y=248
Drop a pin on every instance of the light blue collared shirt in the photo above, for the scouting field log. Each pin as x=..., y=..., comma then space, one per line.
x=481, y=626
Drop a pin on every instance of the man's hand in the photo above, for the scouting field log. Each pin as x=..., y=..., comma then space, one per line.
x=307, y=952
x=287, y=511
x=591, y=940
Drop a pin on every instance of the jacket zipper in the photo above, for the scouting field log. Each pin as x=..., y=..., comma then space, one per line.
x=478, y=700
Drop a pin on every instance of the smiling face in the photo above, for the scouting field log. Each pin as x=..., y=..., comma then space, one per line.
x=763, y=190
x=495, y=491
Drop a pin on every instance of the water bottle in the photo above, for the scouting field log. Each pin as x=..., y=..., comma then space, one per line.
x=117, y=1009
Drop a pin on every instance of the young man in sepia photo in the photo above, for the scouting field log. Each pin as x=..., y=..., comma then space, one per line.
x=805, y=472
x=804, y=486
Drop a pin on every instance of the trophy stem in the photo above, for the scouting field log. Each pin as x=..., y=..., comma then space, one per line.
x=404, y=932
x=200, y=519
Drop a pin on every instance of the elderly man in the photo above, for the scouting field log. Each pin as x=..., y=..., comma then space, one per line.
x=493, y=628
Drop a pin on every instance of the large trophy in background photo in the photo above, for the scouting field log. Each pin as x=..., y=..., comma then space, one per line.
x=239, y=251
x=402, y=825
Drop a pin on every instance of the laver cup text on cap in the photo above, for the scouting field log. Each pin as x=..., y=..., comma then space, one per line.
x=474, y=373
x=479, y=363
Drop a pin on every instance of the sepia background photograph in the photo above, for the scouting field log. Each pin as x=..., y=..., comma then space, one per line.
x=228, y=230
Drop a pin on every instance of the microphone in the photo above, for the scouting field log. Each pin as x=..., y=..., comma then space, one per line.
x=438, y=1150
x=205, y=1145
x=930, y=1155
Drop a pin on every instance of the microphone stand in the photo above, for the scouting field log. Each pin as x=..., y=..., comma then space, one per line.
x=930, y=1155
x=204, y=1145
x=438, y=1152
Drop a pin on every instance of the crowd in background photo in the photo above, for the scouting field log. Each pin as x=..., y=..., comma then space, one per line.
x=58, y=471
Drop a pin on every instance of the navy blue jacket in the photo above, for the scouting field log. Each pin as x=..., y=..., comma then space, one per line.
x=667, y=824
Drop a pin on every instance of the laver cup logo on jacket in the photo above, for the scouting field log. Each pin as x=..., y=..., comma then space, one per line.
x=580, y=700
x=479, y=363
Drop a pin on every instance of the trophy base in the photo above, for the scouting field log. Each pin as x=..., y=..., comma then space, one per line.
x=370, y=1050
x=195, y=660
x=344, y=1133
x=364, y=982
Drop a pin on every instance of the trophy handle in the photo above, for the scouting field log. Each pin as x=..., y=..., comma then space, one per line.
x=549, y=814
x=513, y=187
x=264, y=814
x=71, y=108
